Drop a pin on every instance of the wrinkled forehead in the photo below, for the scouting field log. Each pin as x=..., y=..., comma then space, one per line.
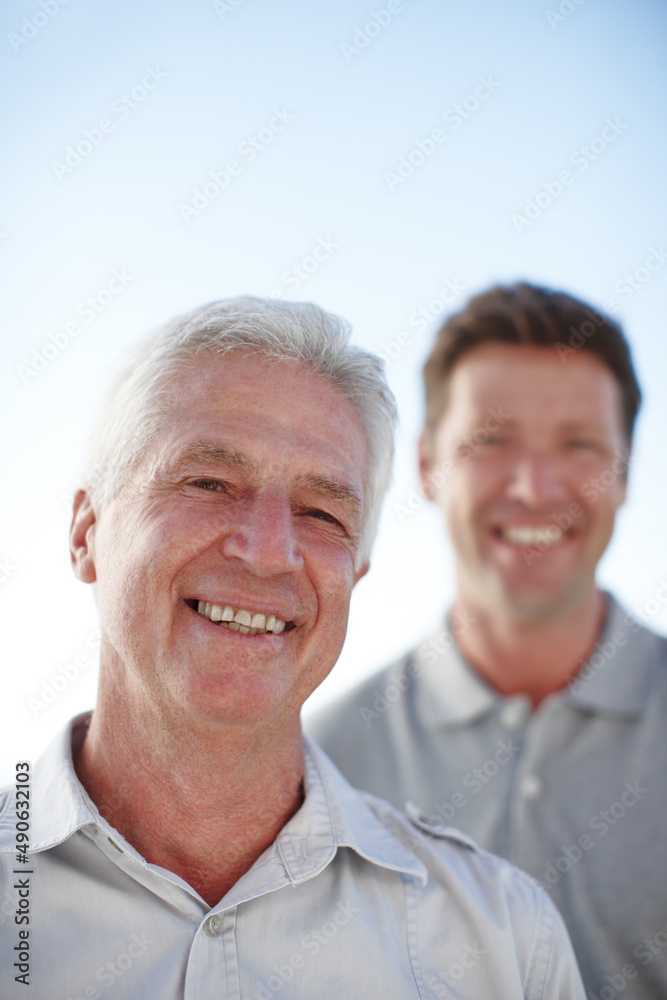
x=210, y=373
x=241, y=401
x=213, y=378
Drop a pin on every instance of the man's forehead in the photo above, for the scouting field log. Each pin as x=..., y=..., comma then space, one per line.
x=529, y=378
x=209, y=368
x=240, y=378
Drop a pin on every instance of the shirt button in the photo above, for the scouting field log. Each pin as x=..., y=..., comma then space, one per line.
x=213, y=925
x=531, y=786
x=512, y=715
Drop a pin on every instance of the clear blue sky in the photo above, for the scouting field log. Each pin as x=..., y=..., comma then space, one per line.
x=401, y=140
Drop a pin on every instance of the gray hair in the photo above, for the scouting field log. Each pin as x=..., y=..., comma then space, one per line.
x=135, y=407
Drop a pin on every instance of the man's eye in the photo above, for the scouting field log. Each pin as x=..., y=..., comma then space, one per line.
x=322, y=515
x=485, y=445
x=208, y=484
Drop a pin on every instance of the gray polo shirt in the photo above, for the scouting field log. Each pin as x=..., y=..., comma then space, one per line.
x=574, y=793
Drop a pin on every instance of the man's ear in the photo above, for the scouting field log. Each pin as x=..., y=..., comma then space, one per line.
x=361, y=572
x=425, y=467
x=84, y=519
x=623, y=486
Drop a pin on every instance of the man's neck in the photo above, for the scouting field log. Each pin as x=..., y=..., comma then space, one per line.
x=203, y=805
x=530, y=658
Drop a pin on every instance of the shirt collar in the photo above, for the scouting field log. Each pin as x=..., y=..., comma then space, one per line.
x=451, y=692
x=333, y=815
x=59, y=805
x=616, y=677
x=336, y=815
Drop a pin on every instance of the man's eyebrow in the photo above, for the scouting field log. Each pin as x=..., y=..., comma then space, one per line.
x=578, y=425
x=205, y=451
x=331, y=490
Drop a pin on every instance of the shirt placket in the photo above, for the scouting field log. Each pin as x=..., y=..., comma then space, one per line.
x=212, y=971
x=508, y=730
x=528, y=786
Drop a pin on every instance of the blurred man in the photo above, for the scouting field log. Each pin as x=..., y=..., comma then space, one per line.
x=534, y=719
x=183, y=841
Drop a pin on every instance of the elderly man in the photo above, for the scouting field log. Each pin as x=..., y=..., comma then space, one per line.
x=535, y=720
x=183, y=841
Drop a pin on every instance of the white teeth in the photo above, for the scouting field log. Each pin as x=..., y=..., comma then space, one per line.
x=543, y=535
x=241, y=620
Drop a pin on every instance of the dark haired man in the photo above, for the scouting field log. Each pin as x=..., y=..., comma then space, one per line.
x=534, y=718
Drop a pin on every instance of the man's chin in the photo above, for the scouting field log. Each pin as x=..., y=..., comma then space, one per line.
x=225, y=702
x=533, y=604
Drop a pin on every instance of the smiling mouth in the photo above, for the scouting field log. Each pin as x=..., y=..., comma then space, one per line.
x=240, y=620
x=539, y=535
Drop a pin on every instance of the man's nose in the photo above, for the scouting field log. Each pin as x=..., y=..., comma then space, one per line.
x=536, y=479
x=262, y=536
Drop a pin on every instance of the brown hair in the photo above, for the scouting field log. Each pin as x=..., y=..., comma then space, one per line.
x=527, y=314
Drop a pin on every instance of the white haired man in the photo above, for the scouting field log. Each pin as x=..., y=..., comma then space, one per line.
x=534, y=717
x=184, y=841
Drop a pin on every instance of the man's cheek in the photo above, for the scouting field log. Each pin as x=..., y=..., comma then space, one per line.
x=334, y=616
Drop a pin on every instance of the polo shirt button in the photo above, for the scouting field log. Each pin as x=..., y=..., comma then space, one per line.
x=531, y=786
x=512, y=715
x=213, y=925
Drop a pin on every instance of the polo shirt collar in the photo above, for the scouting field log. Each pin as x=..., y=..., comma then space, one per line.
x=334, y=815
x=616, y=677
x=450, y=692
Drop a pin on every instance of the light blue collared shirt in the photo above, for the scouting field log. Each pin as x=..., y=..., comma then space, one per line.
x=352, y=900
